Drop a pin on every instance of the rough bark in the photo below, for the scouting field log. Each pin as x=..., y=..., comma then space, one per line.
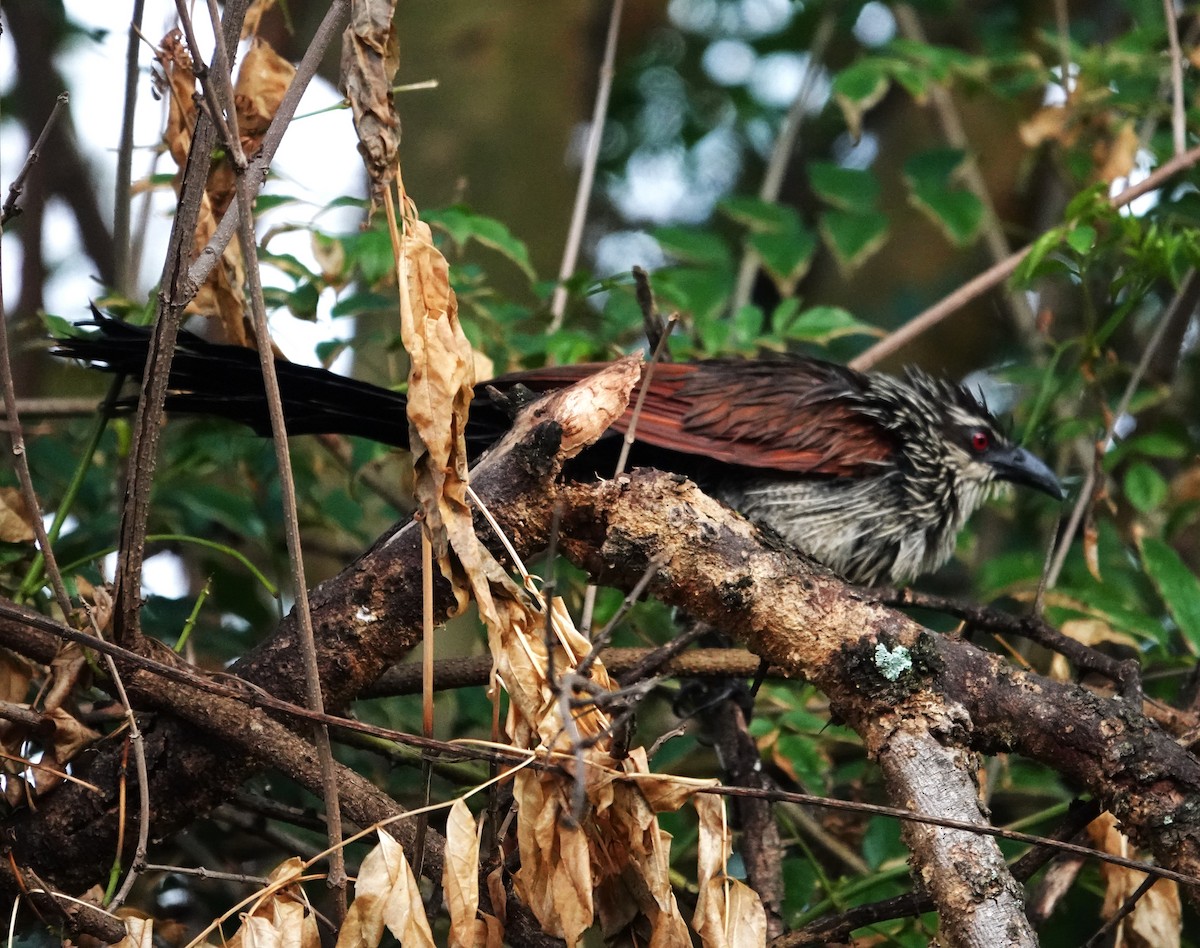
x=885, y=675
x=363, y=620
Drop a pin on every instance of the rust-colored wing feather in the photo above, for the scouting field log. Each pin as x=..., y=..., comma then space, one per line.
x=791, y=416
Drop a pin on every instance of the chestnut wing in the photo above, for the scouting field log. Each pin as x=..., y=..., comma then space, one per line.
x=796, y=416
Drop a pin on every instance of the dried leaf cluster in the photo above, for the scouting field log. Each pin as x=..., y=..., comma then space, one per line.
x=589, y=840
x=263, y=78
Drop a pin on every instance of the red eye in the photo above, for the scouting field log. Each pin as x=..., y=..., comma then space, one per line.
x=980, y=441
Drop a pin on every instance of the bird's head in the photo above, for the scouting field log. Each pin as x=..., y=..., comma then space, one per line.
x=949, y=436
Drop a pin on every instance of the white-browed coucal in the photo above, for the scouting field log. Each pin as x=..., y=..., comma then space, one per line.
x=873, y=475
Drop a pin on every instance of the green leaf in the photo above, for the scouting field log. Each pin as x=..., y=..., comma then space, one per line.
x=371, y=252
x=1145, y=487
x=760, y=216
x=940, y=61
x=859, y=88
x=464, y=225
x=806, y=759
x=302, y=302
x=853, y=237
x=881, y=841
x=702, y=291
x=747, y=326
x=268, y=202
x=328, y=351
x=287, y=263
x=786, y=256
x=1177, y=585
x=1159, y=444
x=689, y=245
x=956, y=212
x=847, y=189
x=366, y=302
x=60, y=328
x=1028, y=268
x=1081, y=238
x=823, y=324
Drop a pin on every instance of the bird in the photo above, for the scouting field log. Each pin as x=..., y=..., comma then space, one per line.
x=873, y=475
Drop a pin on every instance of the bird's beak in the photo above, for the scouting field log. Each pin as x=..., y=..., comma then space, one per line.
x=1020, y=467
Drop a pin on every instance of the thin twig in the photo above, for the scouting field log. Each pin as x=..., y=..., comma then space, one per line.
x=329, y=29
x=624, y=664
x=1062, y=26
x=224, y=94
x=10, y=209
x=1178, y=115
x=33, y=506
x=143, y=455
x=955, y=134
x=1001, y=271
x=55, y=407
x=1030, y=839
x=783, y=149
x=247, y=188
x=587, y=171
x=125, y=277
x=224, y=119
x=1083, y=501
x=1126, y=909
x=201, y=873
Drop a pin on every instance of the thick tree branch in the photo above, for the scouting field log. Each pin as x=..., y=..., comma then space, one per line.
x=722, y=570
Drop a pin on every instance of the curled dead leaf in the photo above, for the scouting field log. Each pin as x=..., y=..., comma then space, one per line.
x=15, y=523
x=460, y=878
x=1156, y=921
x=386, y=895
x=263, y=78
x=370, y=57
x=254, y=15
x=728, y=912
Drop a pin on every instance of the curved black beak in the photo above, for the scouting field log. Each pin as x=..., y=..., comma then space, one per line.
x=1021, y=467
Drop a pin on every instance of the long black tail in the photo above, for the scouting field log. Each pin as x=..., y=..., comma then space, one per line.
x=226, y=381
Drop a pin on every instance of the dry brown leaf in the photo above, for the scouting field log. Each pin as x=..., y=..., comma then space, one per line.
x=1091, y=549
x=1090, y=632
x=370, y=56
x=263, y=78
x=497, y=893
x=1156, y=921
x=666, y=793
x=139, y=933
x=280, y=917
x=15, y=524
x=70, y=735
x=1049, y=123
x=728, y=912
x=180, y=76
x=439, y=394
x=16, y=673
x=254, y=15
x=460, y=877
x=69, y=666
x=100, y=604
x=330, y=254
x=1114, y=155
x=555, y=878
x=385, y=894
x=633, y=857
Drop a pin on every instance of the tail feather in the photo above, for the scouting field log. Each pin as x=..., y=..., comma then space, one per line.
x=212, y=379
